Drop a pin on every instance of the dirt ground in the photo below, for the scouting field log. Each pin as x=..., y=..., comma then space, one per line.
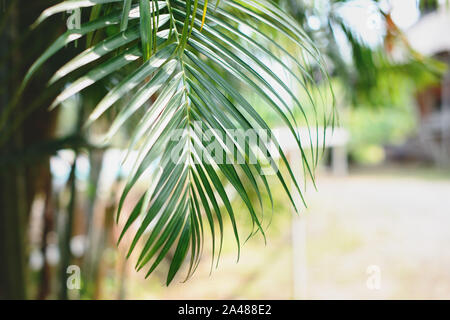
x=379, y=233
x=395, y=220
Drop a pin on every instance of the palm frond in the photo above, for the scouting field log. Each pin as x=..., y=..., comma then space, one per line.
x=195, y=57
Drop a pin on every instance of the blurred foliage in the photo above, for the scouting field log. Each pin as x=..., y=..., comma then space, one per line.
x=371, y=128
x=371, y=76
x=375, y=85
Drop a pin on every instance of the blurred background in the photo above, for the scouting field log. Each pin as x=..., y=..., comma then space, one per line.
x=376, y=227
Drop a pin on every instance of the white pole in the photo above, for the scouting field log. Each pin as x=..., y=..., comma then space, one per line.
x=299, y=263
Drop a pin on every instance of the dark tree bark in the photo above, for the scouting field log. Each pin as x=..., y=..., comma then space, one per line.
x=20, y=180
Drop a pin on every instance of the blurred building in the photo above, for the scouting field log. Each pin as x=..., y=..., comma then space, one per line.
x=429, y=36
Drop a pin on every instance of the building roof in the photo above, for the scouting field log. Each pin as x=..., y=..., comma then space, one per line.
x=431, y=34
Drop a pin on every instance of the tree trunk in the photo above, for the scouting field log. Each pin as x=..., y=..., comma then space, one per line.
x=19, y=179
x=12, y=233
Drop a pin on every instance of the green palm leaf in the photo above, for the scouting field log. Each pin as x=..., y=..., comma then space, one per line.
x=195, y=59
